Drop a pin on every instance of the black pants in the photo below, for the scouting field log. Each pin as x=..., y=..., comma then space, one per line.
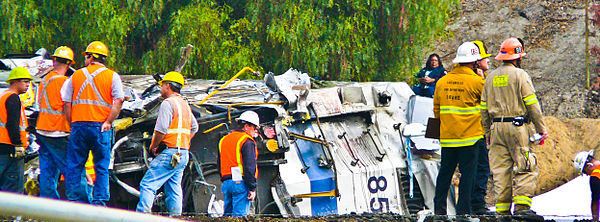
x=481, y=178
x=465, y=158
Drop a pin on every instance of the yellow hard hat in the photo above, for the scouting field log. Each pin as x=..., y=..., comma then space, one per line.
x=65, y=53
x=19, y=73
x=173, y=77
x=98, y=48
x=482, y=49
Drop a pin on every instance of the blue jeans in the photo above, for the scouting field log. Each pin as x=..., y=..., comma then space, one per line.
x=86, y=136
x=159, y=173
x=235, y=195
x=11, y=174
x=427, y=92
x=53, y=155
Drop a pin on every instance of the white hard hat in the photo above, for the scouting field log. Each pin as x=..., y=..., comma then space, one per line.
x=250, y=117
x=581, y=159
x=466, y=53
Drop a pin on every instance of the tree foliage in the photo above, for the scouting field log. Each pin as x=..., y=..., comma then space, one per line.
x=359, y=40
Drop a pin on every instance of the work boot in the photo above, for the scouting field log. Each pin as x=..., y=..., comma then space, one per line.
x=481, y=211
x=528, y=215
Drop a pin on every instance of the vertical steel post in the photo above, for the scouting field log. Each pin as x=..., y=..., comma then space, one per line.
x=587, y=50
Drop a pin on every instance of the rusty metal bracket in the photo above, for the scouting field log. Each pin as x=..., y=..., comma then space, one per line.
x=355, y=161
x=380, y=158
x=303, y=137
x=323, y=162
x=331, y=193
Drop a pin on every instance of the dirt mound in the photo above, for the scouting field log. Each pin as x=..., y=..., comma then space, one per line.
x=567, y=137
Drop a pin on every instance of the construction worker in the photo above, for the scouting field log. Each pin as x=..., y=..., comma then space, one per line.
x=92, y=100
x=237, y=156
x=53, y=128
x=456, y=104
x=586, y=163
x=508, y=105
x=13, y=137
x=175, y=127
x=478, y=205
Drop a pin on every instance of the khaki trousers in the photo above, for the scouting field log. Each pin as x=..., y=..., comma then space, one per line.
x=511, y=157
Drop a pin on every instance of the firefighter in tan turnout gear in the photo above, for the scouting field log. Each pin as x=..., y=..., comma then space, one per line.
x=508, y=106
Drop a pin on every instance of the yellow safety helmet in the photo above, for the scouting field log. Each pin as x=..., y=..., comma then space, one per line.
x=173, y=77
x=482, y=49
x=19, y=73
x=96, y=48
x=65, y=53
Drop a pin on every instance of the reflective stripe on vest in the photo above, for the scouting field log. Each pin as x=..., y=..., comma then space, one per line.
x=90, y=81
x=596, y=172
x=179, y=132
x=44, y=95
x=4, y=137
x=230, y=147
x=92, y=94
x=52, y=117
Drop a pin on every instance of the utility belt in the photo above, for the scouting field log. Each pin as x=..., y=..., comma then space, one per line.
x=517, y=121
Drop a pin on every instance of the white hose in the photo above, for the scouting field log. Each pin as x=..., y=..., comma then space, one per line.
x=112, y=151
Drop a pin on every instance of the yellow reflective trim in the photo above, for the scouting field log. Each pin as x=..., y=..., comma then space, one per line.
x=460, y=142
x=502, y=207
x=459, y=110
x=530, y=100
x=483, y=105
x=238, y=153
x=523, y=200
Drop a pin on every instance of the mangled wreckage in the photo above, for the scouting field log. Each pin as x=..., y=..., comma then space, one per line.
x=354, y=147
x=346, y=148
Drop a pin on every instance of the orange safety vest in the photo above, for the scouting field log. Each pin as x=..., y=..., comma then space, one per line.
x=596, y=172
x=92, y=93
x=178, y=134
x=52, y=117
x=230, y=150
x=4, y=138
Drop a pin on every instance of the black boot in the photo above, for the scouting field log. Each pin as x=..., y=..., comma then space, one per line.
x=528, y=215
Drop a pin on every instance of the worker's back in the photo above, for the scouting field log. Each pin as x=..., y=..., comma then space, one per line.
x=506, y=90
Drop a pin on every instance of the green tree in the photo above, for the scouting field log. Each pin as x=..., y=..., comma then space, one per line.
x=358, y=40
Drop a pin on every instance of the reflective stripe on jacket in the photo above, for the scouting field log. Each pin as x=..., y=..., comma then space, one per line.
x=456, y=103
x=92, y=93
x=230, y=151
x=52, y=117
x=509, y=92
x=178, y=134
x=4, y=137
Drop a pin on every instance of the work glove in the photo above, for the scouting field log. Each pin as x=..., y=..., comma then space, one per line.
x=175, y=159
x=19, y=152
